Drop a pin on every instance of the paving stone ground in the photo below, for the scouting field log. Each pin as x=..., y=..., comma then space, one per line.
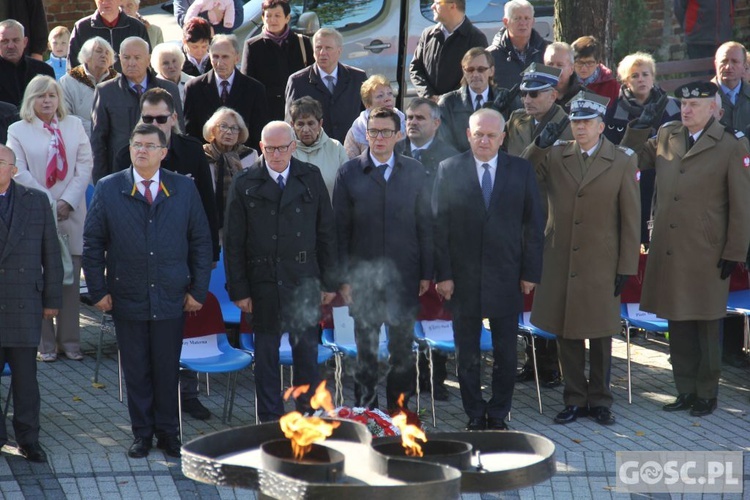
x=86, y=431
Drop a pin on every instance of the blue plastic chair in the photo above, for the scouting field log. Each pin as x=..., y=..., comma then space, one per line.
x=210, y=351
x=525, y=327
x=217, y=286
x=629, y=314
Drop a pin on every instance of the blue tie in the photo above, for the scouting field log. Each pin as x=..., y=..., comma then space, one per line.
x=280, y=180
x=382, y=168
x=486, y=185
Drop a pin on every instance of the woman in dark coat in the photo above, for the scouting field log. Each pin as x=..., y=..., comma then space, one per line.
x=275, y=54
x=637, y=73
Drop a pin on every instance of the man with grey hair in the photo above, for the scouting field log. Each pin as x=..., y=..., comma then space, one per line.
x=108, y=22
x=280, y=255
x=117, y=108
x=434, y=70
x=16, y=69
x=422, y=124
x=517, y=44
x=224, y=85
x=333, y=84
x=560, y=55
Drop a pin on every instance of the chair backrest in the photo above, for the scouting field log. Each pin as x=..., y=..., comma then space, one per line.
x=207, y=321
x=343, y=327
x=632, y=311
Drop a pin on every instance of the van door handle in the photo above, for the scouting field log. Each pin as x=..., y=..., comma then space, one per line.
x=377, y=46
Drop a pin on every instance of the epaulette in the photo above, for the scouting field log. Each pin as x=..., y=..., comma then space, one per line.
x=626, y=150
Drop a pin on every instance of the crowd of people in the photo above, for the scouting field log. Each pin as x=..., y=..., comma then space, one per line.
x=523, y=167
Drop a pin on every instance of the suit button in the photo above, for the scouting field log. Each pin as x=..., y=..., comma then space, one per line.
x=580, y=195
x=2, y=271
x=273, y=237
x=280, y=283
x=676, y=198
x=669, y=252
x=673, y=226
x=273, y=212
x=297, y=210
x=152, y=285
x=278, y=259
x=21, y=270
x=575, y=249
x=2, y=307
x=573, y=275
x=682, y=170
x=299, y=234
x=21, y=306
x=576, y=222
x=252, y=204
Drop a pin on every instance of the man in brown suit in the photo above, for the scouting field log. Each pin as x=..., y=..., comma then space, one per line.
x=701, y=231
x=592, y=245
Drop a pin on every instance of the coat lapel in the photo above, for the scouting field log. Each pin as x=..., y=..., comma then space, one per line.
x=707, y=139
x=472, y=187
x=18, y=221
x=316, y=81
x=571, y=163
x=295, y=188
x=211, y=92
x=601, y=163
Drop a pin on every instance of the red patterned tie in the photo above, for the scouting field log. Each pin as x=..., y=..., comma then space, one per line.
x=149, y=196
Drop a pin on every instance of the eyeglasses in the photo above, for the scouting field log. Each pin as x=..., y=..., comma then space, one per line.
x=385, y=133
x=481, y=69
x=161, y=119
x=226, y=128
x=6, y=164
x=533, y=93
x=272, y=149
x=585, y=64
x=137, y=146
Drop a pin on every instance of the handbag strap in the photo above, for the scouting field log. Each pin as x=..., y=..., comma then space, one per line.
x=302, y=48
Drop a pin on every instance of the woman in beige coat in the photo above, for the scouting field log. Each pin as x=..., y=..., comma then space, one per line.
x=592, y=245
x=53, y=155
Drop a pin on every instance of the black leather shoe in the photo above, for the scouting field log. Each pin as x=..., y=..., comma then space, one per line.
x=170, y=444
x=33, y=452
x=602, y=415
x=703, y=407
x=570, y=414
x=476, y=424
x=683, y=402
x=525, y=374
x=195, y=409
x=552, y=380
x=140, y=448
x=496, y=424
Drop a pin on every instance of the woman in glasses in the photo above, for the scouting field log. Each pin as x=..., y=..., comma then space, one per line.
x=592, y=74
x=225, y=133
x=53, y=155
x=97, y=58
x=376, y=92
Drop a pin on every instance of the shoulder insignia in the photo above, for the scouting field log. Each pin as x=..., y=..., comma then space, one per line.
x=626, y=150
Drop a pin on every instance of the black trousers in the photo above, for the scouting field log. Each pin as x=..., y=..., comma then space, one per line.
x=695, y=348
x=26, y=400
x=466, y=333
x=580, y=390
x=150, y=353
x=268, y=378
x=402, y=372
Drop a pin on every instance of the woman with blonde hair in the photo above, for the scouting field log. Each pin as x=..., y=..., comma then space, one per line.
x=225, y=133
x=53, y=154
x=376, y=92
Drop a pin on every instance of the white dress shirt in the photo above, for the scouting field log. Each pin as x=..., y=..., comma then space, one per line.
x=153, y=187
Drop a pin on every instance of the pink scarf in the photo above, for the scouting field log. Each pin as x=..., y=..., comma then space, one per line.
x=57, y=160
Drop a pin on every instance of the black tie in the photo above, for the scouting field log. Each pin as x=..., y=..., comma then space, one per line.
x=585, y=156
x=691, y=141
x=479, y=102
x=382, y=168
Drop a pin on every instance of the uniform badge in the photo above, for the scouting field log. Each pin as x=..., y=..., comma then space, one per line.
x=746, y=161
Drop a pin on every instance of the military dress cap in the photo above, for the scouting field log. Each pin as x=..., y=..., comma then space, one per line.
x=539, y=77
x=587, y=105
x=695, y=90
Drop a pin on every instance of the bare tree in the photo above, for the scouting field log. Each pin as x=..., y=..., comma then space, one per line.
x=576, y=18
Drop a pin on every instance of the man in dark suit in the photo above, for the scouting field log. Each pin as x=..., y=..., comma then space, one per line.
x=382, y=205
x=280, y=244
x=336, y=86
x=117, y=108
x=489, y=237
x=224, y=85
x=147, y=258
x=16, y=69
x=422, y=124
x=28, y=240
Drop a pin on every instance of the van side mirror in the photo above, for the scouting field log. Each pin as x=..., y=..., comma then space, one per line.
x=308, y=23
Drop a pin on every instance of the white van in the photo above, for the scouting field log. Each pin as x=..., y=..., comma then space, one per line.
x=380, y=36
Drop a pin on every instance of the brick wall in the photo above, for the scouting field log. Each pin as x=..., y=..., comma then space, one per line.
x=67, y=12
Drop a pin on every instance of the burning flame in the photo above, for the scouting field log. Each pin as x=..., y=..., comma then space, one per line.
x=409, y=433
x=304, y=431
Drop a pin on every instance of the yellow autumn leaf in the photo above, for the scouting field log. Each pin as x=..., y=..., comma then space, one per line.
x=76, y=398
x=576, y=441
x=97, y=385
x=640, y=433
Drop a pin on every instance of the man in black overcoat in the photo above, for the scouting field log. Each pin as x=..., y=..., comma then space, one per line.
x=489, y=237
